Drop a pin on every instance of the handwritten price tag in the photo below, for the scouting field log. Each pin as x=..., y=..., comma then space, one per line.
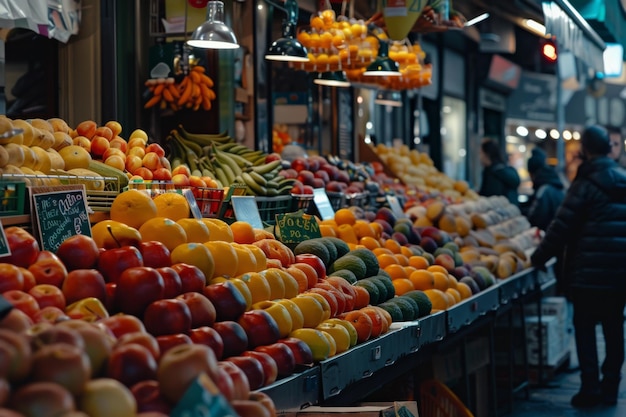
x=297, y=227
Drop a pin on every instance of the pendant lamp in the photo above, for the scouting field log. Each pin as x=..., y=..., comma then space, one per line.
x=288, y=48
x=214, y=33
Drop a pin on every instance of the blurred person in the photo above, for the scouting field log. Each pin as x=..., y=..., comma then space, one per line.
x=498, y=178
x=548, y=190
x=591, y=226
x=615, y=136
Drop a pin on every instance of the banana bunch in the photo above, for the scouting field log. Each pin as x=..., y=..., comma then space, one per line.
x=228, y=162
x=195, y=91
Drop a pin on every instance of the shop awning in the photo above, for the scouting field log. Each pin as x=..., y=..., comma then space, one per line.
x=606, y=17
x=573, y=33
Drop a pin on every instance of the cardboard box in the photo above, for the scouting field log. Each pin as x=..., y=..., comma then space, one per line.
x=391, y=409
x=554, y=340
x=550, y=306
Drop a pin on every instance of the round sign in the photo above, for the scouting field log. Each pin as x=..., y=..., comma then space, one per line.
x=198, y=3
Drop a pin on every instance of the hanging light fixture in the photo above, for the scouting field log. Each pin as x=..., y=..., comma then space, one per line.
x=214, y=33
x=383, y=66
x=332, y=79
x=388, y=98
x=288, y=48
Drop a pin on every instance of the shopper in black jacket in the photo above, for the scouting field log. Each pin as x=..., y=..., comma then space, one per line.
x=591, y=225
x=548, y=190
x=498, y=178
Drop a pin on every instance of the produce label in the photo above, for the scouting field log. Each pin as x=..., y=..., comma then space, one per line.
x=203, y=399
x=60, y=212
x=395, y=206
x=246, y=210
x=193, y=204
x=297, y=227
x=5, y=250
x=324, y=208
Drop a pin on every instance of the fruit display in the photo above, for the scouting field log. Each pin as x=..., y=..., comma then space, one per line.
x=194, y=91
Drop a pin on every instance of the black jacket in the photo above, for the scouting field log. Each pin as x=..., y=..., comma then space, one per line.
x=591, y=226
x=500, y=179
x=547, y=197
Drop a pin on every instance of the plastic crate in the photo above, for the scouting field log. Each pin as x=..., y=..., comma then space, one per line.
x=337, y=200
x=437, y=400
x=301, y=202
x=358, y=199
x=13, y=198
x=269, y=207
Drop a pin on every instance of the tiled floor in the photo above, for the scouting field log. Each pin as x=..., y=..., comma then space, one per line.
x=553, y=398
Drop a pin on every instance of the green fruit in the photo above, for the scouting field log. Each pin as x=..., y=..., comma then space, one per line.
x=382, y=289
x=332, y=249
x=342, y=247
x=423, y=302
x=409, y=307
x=371, y=288
x=391, y=290
x=371, y=261
x=351, y=263
x=393, y=309
x=345, y=274
x=314, y=247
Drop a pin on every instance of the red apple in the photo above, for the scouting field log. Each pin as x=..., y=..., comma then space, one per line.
x=49, y=271
x=84, y=283
x=131, y=363
x=120, y=324
x=64, y=364
x=191, y=277
x=149, y=398
x=46, y=255
x=48, y=295
x=301, y=351
x=260, y=327
x=274, y=156
x=29, y=279
x=282, y=355
x=202, y=310
x=50, y=314
x=270, y=368
x=141, y=338
x=155, y=254
x=98, y=343
x=16, y=320
x=225, y=383
x=167, y=316
x=206, y=335
x=42, y=399
x=307, y=189
x=12, y=278
x=253, y=369
x=112, y=262
x=78, y=252
x=22, y=301
x=171, y=281
x=24, y=247
x=21, y=353
x=181, y=365
x=109, y=300
x=169, y=341
x=315, y=262
x=234, y=337
x=44, y=334
x=239, y=378
x=299, y=164
x=137, y=287
x=228, y=302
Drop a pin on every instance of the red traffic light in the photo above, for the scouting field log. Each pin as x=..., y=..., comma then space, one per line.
x=548, y=50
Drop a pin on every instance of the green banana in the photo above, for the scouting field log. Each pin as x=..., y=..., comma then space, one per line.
x=265, y=168
x=240, y=160
x=226, y=147
x=259, y=160
x=258, y=178
x=203, y=139
x=284, y=190
x=225, y=159
x=220, y=174
x=272, y=184
x=256, y=188
x=254, y=155
x=228, y=171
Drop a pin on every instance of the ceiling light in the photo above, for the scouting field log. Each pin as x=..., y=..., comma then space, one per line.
x=383, y=65
x=554, y=134
x=541, y=134
x=477, y=19
x=214, y=33
x=332, y=79
x=288, y=48
x=521, y=130
x=535, y=27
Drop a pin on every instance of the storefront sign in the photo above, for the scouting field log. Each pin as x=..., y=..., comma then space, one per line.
x=609, y=109
x=534, y=99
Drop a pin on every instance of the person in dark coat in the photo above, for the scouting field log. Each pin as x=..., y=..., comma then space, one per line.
x=591, y=225
x=548, y=190
x=498, y=178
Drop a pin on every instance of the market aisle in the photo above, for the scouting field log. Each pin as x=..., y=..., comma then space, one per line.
x=553, y=400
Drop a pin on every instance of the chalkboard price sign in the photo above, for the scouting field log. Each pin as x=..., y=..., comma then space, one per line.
x=297, y=227
x=60, y=212
x=5, y=250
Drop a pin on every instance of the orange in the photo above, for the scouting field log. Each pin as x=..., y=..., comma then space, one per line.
x=464, y=290
x=259, y=255
x=197, y=255
x=258, y=286
x=437, y=268
x=452, y=282
x=402, y=260
x=385, y=260
x=438, y=299
x=450, y=298
x=327, y=230
x=172, y=205
x=246, y=261
x=164, y=230
x=195, y=229
x=393, y=246
x=402, y=285
x=369, y=242
x=418, y=262
x=133, y=208
x=378, y=229
x=362, y=297
x=345, y=216
x=406, y=251
x=227, y=261
x=218, y=230
x=381, y=251
x=441, y=280
x=361, y=322
x=346, y=233
x=395, y=271
x=408, y=270
x=362, y=229
x=422, y=279
x=300, y=276
x=242, y=232
x=456, y=294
